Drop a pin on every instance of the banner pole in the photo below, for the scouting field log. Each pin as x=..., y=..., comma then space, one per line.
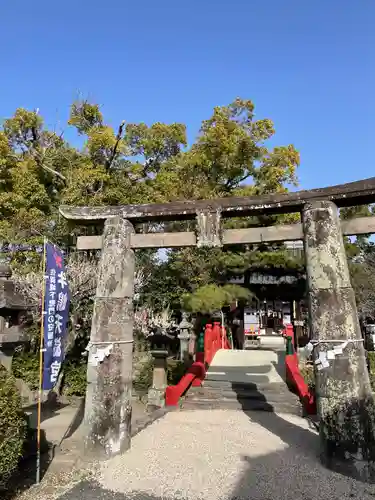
x=41, y=365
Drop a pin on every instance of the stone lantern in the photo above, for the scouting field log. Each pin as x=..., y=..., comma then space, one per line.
x=184, y=337
x=13, y=309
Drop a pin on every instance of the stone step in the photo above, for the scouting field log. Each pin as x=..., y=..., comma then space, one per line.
x=222, y=394
x=248, y=405
x=238, y=386
x=240, y=389
x=243, y=395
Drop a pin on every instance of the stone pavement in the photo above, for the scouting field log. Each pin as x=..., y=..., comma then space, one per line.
x=56, y=422
x=220, y=454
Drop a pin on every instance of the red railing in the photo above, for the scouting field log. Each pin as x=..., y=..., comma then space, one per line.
x=225, y=341
x=212, y=342
x=296, y=380
x=215, y=338
x=294, y=377
x=197, y=371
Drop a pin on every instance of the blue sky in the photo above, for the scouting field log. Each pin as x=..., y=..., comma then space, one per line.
x=309, y=66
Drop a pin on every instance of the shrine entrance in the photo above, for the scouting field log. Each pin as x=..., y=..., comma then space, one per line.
x=332, y=308
x=278, y=301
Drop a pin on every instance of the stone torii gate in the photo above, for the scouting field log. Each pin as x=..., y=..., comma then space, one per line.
x=343, y=387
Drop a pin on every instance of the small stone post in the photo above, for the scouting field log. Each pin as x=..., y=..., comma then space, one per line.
x=344, y=397
x=108, y=409
x=156, y=394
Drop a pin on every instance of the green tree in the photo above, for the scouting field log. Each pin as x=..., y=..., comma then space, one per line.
x=230, y=149
x=210, y=298
x=361, y=262
x=229, y=158
x=138, y=163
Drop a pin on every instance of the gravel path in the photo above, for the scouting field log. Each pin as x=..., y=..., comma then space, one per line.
x=221, y=454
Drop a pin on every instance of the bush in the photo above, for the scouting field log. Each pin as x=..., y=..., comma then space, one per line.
x=75, y=379
x=371, y=361
x=176, y=370
x=371, y=364
x=13, y=426
x=143, y=371
x=25, y=366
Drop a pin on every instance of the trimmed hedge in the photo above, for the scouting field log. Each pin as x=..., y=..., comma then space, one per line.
x=25, y=366
x=176, y=370
x=371, y=363
x=13, y=426
x=75, y=381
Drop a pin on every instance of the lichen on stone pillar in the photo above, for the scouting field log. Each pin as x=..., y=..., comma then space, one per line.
x=209, y=228
x=344, y=396
x=109, y=373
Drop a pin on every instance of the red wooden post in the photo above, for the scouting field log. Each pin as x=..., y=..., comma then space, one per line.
x=290, y=332
x=225, y=341
x=208, y=344
x=217, y=338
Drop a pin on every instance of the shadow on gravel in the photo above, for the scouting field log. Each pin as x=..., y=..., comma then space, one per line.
x=297, y=471
x=266, y=416
x=91, y=490
x=77, y=420
x=306, y=442
x=293, y=474
x=24, y=477
x=286, y=474
x=291, y=434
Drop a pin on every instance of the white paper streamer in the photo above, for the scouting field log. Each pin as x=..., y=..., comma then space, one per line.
x=322, y=361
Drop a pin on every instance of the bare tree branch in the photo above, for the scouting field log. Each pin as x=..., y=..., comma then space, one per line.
x=39, y=154
x=230, y=183
x=112, y=157
x=54, y=172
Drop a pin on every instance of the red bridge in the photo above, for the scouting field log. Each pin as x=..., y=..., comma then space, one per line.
x=255, y=379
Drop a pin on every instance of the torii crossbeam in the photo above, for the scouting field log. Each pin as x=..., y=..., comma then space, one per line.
x=343, y=195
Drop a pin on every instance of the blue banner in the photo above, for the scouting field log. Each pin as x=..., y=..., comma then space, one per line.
x=56, y=315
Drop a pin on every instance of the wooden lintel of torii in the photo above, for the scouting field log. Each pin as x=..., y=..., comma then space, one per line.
x=344, y=195
x=290, y=232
